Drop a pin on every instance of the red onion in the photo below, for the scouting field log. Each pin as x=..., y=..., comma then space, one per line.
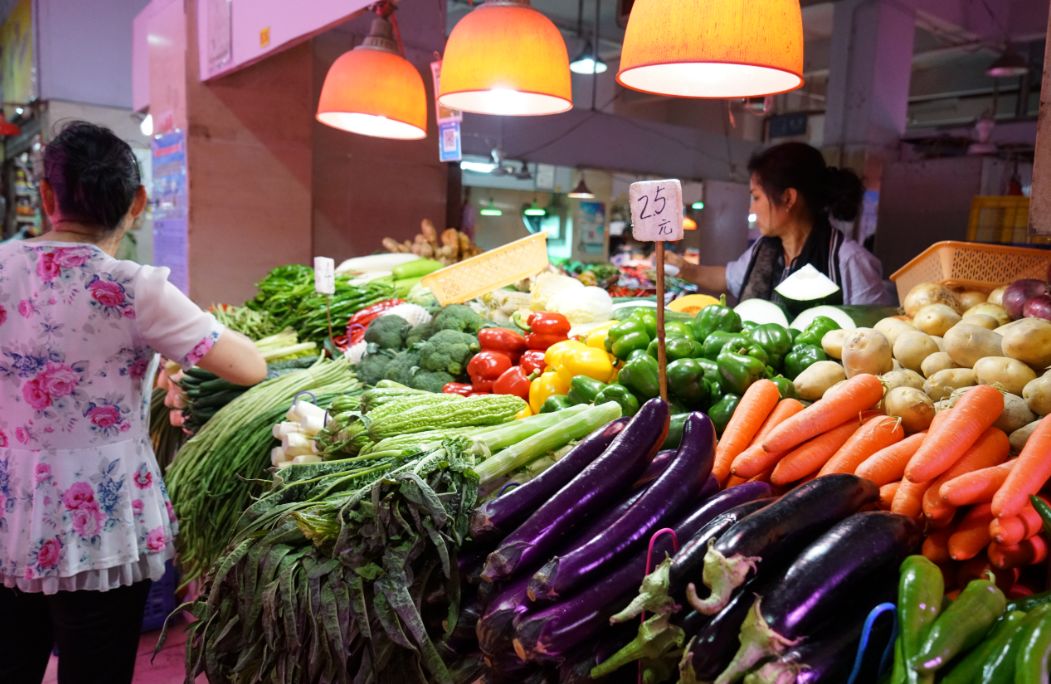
x=1019, y=292
x=1038, y=307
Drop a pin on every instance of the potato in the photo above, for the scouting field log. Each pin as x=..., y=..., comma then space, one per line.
x=901, y=378
x=866, y=351
x=1037, y=394
x=942, y=384
x=892, y=327
x=969, y=298
x=817, y=379
x=1029, y=341
x=1010, y=375
x=935, y=319
x=832, y=343
x=895, y=365
x=915, y=408
x=987, y=309
x=981, y=320
x=967, y=343
x=937, y=361
x=940, y=341
x=1019, y=437
x=928, y=293
x=912, y=347
x=1015, y=414
x=997, y=296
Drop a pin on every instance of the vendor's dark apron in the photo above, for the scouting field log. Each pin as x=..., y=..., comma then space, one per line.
x=766, y=270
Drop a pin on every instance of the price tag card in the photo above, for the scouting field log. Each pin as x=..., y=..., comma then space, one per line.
x=324, y=275
x=656, y=210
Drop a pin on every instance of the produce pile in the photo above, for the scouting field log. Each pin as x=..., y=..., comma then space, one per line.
x=448, y=247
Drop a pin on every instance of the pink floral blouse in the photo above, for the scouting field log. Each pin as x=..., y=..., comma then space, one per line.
x=82, y=502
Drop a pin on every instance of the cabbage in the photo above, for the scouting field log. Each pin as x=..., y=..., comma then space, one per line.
x=547, y=285
x=582, y=305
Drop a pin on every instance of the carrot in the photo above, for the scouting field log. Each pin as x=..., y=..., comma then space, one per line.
x=991, y=449
x=908, y=500
x=1028, y=475
x=1029, y=552
x=854, y=396
x=972, y=534
x=754, y=408
x=888, y=464
x=1013, y=529
x=734, y=481
x=809, y=457
x=754, y=460
x=977, y=486
x=873, y=435
x=886, y=494
x=785, y=409
x=949, y=439
x=936, y=546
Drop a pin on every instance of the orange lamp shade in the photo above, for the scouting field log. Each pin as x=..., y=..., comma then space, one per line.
x=713, y=48
x=506, y=58
x=372, y=90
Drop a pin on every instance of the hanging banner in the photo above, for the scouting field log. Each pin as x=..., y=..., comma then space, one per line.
x=449, y=143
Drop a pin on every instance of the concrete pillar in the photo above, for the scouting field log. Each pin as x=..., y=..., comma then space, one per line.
x=1040, y=205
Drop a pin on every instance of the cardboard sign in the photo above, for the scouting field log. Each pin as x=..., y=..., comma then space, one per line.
x=324, y=275
x=489, y=271
x=656, y=210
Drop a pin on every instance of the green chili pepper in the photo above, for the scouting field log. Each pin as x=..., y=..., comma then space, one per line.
x=773, y=339
x=629, y=404
x=648, y=318
x=967, y=670
x=640, y=375
x=1028, y=603
x=715, y=343
x=554, y=403
x=816, y=330
x=921, y=589
x=785, y=388
x=713, y=318
x=961, y=626
x=801, y=357
x=675, y=427
x=583, y=390
x=676, y=348
x=999, y=665
x=686, y=382
x=722, y=410
x=899, y=671
x=738, y=371
x=1045, y=512
x=1031, y=661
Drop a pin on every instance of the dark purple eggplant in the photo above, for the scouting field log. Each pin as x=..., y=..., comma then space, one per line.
x=779, y=531
x=603, y=481
x=680, y=483
x=500, y=515
x=495, y=629
x=655, y=468
x=714, y=646
x=842, y=564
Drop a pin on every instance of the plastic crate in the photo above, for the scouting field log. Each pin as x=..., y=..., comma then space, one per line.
x=161, y=600
x=999, y=219
x=972, y=266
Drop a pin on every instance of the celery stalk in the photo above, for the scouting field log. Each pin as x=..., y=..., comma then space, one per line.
x=503, y=436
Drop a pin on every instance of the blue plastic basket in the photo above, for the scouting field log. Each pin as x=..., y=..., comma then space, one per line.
x=161, y=601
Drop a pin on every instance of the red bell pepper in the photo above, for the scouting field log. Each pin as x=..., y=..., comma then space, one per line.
x=502, y=340
x=461, y=388
x=547, y=323
x=485, y=367
x=541, y=341
x=533, y=362
x=514, y=381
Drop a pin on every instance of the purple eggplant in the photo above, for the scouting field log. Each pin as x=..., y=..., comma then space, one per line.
x=842, y=564
x=779, y=531
x=715, y=644
x=495, y=629
x=681, y=482
x=603, y=481
x=510, y=509
x=655, y=468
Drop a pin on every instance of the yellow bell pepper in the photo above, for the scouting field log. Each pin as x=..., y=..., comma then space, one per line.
x=571, y=358
x=597, y=337
x=525, y=412
x=549, y=384
x=555, y=354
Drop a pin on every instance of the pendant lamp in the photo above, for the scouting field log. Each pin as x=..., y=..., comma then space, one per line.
x=372, y=90
x=588, y=62
x=582, y=191
x=713, y=48
x=1009, y=64
x=506, y=58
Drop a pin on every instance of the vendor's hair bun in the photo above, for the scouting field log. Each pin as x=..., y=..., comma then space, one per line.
x=843, y=193
x=825, y=189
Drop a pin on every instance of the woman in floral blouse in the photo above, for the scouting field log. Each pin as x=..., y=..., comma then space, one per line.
x=85, y=521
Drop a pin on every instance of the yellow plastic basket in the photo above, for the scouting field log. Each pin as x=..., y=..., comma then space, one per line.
x=971, y=266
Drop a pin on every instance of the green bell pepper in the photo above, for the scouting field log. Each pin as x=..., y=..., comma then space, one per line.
x=801, y=357
x=816, y=330
x=686, y=382
x=676, y=348
x=774, y=339
x=640, y=375
x=722, y=410
x=583, y=390
x=712, y=377
x=677, y=329
x=715, y=342
x=647, y=318
x=629, y=404
x=739, y=371
x=785, y=388
x=625, y=337
x=748, y=325
x=555, y=403
x=713, y=318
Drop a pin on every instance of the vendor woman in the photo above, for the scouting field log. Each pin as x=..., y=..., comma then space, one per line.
x=794, y=193
x=85, y=521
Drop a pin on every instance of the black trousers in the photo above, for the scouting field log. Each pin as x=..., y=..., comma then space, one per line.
x=97, y=634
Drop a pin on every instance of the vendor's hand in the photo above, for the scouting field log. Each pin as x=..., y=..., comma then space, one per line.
x=175, y=398
x=674, y=259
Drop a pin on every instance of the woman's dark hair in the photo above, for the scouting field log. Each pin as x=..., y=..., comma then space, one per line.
x=824, y=188
x=94, y=174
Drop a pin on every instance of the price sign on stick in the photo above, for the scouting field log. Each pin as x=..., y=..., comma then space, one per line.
x=656, y=216
x=325, y=283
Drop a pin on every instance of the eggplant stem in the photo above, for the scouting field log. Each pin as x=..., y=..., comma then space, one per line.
x=758, y=641
x=774, y=672
x=653, y=596
x=722, y=575
x=656, y=637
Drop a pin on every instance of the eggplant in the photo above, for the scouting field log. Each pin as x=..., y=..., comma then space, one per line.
x=840, y=565
x=779, y=531
x=713, y=647
x=495, y=629
x=603, y=481
x=681, y=481
x=511, y=508
x=655, y=468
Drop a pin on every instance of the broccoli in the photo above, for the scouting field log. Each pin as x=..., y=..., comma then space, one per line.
x=448, y=351
x=418, y=334
x=403, y=367
x=431, y=381
x=387, y=332
x=373, y=366
x=459, y=317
